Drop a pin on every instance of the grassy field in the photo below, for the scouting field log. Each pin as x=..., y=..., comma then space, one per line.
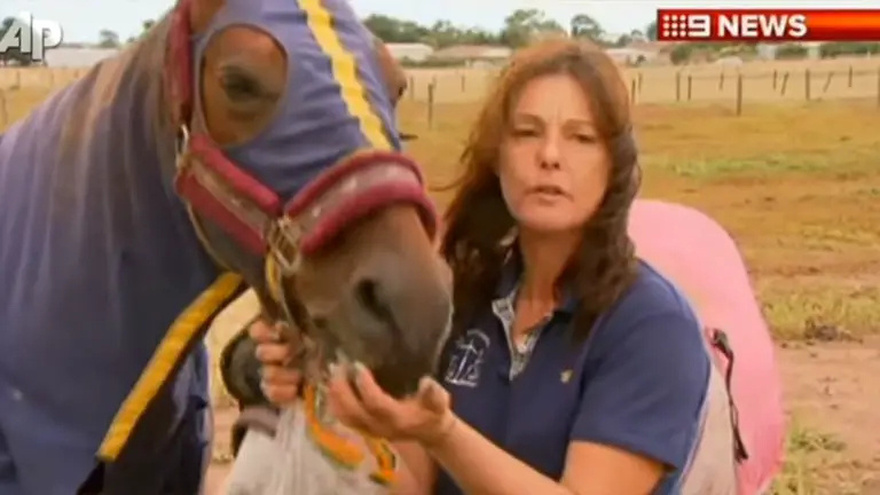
x=798, y=186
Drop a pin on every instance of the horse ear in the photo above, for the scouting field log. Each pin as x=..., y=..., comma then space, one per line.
x=201, y=12
x=395, y=78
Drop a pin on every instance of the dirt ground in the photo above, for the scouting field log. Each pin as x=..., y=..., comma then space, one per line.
x=834, y=435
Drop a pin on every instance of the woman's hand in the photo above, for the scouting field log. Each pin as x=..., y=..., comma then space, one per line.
x=280, y=382
x=361, y=404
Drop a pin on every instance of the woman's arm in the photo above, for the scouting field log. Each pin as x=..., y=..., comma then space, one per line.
x=418, y=470
x=481, y=467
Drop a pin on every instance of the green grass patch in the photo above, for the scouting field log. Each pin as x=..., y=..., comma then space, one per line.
x=793, y=309
x=767, y=165
x=806, y=452
x=724, y=167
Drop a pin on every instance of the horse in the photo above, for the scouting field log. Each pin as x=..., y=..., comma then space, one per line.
x=238, y=144
x=692, y=250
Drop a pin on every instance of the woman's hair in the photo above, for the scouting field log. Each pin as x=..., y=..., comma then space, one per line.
x=478, y=219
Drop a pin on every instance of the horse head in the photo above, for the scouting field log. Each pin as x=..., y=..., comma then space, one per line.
x=289, y=161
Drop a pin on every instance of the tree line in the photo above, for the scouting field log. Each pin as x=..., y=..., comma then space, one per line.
x=519, y=28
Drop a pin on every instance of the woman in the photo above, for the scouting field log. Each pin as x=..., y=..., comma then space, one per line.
x=573, y=367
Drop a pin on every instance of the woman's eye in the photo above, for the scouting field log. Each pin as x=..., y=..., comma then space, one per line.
x=525, y=132
x=585, y=138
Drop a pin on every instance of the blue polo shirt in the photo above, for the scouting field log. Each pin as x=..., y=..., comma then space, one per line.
x=637, y=382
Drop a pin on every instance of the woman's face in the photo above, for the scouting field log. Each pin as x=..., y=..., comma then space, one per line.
x=554, y=167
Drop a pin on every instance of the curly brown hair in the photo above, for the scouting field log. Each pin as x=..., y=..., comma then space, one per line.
x=478, y=220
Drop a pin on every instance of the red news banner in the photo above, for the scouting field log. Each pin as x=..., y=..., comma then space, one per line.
x=775, y=25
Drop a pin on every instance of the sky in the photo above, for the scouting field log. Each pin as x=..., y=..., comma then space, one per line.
x=81, y=20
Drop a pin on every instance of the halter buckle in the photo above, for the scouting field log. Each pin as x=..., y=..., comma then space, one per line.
x=283, y=237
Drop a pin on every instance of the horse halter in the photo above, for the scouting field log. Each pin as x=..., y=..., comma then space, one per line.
x=251, y=212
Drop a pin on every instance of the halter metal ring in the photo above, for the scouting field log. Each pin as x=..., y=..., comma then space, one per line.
x=181, y=142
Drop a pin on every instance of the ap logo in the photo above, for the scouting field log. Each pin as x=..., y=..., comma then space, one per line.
x=29, y=37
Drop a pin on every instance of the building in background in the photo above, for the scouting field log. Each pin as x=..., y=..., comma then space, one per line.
x=473, y=55
x=630, y=56
x=77, y=57
x=812, y=50
x=641, y=53
x=410, y=52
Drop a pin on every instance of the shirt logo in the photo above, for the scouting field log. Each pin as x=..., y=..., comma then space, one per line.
x=467, y=359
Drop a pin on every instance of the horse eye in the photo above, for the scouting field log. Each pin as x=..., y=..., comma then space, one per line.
x=241, y=87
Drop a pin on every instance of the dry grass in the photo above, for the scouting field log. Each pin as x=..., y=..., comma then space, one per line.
x=763, y=82
x=797, y=184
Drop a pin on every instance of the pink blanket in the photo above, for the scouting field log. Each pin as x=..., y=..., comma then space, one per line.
x=699, y=256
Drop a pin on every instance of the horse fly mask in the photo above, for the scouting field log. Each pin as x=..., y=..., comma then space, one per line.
x=229, y=186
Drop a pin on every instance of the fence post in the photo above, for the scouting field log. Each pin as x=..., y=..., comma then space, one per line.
x=739, y=94
x=431, y=105
x=632, y=91
x=690, y=87
x=784, y=84
x=463, y=83
x=412, y=88
x=775, y=77
x=807, y=84
x=849, y=77
x=678, y=86
x=827, y=83
x=721, y=81
x=18, y=78
x=641, y=77
x=4, y=109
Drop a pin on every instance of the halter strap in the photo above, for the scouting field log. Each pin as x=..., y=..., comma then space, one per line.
x=178, y=80
x=178, y=66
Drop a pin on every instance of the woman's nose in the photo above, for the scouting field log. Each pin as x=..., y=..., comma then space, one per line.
x=549, y=155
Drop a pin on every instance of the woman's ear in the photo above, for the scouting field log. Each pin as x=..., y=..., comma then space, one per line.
x=497, y=163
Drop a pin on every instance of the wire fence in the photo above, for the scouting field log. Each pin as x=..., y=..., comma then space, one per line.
x=739, y=86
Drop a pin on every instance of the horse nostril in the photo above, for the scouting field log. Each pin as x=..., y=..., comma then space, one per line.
x=367, y=292
x=320, y=323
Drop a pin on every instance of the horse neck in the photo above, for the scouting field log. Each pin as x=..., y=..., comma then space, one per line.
x=123, y=98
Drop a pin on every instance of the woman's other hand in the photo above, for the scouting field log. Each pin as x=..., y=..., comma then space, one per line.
x=279, y=381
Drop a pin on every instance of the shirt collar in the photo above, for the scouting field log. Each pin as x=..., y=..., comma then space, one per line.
x=508, y=285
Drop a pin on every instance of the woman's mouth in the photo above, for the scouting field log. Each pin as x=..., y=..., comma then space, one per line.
x=549, y=191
